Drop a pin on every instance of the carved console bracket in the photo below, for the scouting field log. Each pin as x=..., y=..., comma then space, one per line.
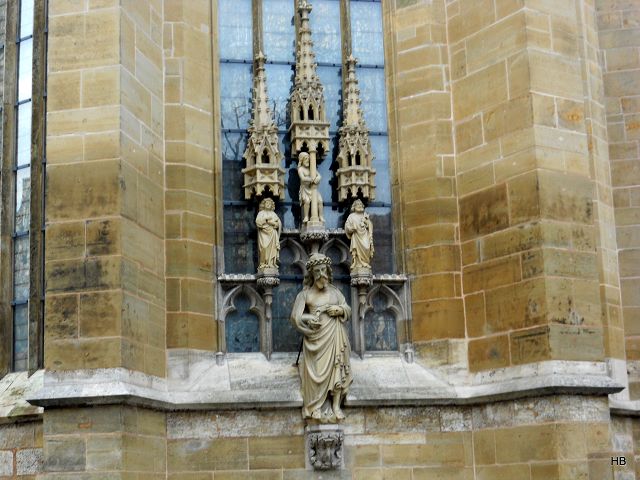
x=324, y=445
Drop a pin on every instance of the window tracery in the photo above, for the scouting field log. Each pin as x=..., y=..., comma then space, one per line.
x=339, y=29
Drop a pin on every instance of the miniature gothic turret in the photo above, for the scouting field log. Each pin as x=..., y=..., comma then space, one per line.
x=309, y=127
x=355, y=173
x=263, y=156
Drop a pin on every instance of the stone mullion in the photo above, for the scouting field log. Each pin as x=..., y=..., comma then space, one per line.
x=36, y=228
x=7, y=187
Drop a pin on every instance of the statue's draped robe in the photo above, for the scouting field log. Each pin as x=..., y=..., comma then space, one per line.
x=326, y=366
x=360, y=236
x=268, y=239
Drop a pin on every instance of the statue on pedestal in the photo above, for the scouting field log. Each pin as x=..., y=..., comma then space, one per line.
x=320, y=312
x=310, y=198
x=269, y=230
x=359, y=230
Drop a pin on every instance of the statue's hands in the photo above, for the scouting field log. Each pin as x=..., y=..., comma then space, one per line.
x=335, y=311
x=316, y=180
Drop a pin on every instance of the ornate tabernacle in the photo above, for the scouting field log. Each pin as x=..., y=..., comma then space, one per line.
x=263, y=171
x=309, y=128
x=355, y=173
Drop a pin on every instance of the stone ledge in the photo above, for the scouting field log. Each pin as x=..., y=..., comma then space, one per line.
x=15, y=388
x=247, y=381
x=625, y=408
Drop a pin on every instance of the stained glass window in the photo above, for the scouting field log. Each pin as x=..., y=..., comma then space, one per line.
x=237, y=26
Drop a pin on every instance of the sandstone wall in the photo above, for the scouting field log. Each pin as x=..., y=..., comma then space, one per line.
x=21, y=453
x=619, y=34
x=423, y=173
x=105, y=274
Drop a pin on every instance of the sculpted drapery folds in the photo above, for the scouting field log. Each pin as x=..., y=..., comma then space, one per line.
x=269, y=230
x=320, y=312
x=359, y=230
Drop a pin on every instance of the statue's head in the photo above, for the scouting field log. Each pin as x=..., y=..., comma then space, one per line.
x=357, y=206
x=304, y=158
x=267, y=204
x=318, y=271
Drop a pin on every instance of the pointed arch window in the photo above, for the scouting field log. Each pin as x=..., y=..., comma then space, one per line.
x=340, y=27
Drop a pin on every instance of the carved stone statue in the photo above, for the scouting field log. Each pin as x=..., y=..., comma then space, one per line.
x=309, y=195
x=320, y=313
x=359, y=230
x=269, y=230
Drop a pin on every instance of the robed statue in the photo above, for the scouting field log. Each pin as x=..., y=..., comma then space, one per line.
x=359, y=230
x=269, y=230
x=310, y=197
x=320, y=312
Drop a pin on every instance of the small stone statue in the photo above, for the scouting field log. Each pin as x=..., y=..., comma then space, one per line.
x=269, y=230
x=359, y=230
x=310, y=198
x=320, y=313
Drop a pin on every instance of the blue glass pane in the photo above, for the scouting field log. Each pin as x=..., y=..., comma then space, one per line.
x=235, y=31
x=279, y=83
x=20, y=337
x=21, y=269
x=332, y=80
x=279, y=32
x=380, y=327
x=26, y=18
x=380, y=147
x=235, y=95
x=325, y=25
x=383, y=261
x=24, y=134
x=242, y=327
x=23, y=200
x=285, y=337
x=233, y=146
x=366, y=33
x=372, y=93
x=25, y=72
x=240, y=253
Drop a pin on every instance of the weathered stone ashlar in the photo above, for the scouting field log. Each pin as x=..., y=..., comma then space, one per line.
x=320, y=312
x=263, y=172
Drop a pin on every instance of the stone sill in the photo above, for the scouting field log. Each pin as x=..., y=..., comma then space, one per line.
x=247, y=381
x=15, y=388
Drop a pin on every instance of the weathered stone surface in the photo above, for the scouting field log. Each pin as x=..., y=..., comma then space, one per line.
x=29, y=461
x=6, y=463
